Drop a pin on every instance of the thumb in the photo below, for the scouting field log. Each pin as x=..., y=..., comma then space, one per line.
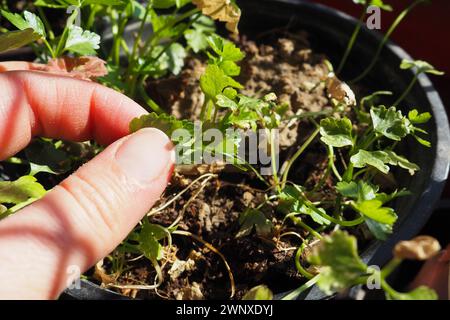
x=84, y=218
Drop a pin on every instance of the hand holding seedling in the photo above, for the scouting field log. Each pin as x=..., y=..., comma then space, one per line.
x=92, y=211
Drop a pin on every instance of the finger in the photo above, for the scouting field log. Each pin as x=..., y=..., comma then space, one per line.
x=19, y=65
x=84, y=218
x=34, y=103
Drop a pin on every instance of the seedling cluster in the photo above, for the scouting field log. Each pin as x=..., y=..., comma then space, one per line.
x=360, y=138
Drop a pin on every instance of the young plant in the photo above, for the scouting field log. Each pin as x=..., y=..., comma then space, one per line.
x=419, y=67
x=341, y=267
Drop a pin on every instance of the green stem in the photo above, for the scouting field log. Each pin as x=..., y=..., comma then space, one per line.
x=298, y=222
x=149, y=101
x=407, y=91
x=155, y=35
x=390, y=266
x=352, y=41
x=48, y=26
x=296, y=155
x=386, y=37
x=138, y=38
x=294, y=294
x=298, y=264
x=331, y=163
x=274, y=160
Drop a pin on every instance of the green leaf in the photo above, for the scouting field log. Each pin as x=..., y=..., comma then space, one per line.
x=149, y=236
x=166, y=123
x=397, y=160
x=375, y=159
x=196, y=39
x=379, y=159
x=176, y=54
x=30, y=20
x=261, y=292
x=82, y=41
x=417, y=118
x=359, y=191
x=390, y=122
x=214, y=81
x=380, y=231
x=17, y=39
x=254, y=218
x=15, y=192
x=336, y=132
x=421, y=66
x=420, y=293
x=230, y=68
x=339, y=262
x=374, y=210
x=377, y=3
x=291, y=203
x=225, y=49
x=225, y=102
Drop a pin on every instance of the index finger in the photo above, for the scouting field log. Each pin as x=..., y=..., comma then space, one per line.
x=40, y=104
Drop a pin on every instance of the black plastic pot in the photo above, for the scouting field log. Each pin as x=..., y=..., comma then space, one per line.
x=329, y=32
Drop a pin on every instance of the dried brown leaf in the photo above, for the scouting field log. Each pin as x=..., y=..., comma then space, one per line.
x=419, y=248
x=222, y=10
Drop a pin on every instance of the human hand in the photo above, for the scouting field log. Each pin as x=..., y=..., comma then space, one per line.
x=85, y=217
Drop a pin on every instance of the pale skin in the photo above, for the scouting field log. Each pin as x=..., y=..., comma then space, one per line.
x=84, y=218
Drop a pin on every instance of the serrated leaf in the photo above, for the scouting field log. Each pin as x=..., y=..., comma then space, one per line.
x=166, y=123
x=225, y=49
x=82, y=41
x=390, y=123
x=16, y=192
x=291, y=203
x=339, y=262
x=176, y=54
x=336, y=132
x=149, y=236
x=359, y=191
x=225, y=102
x=375, y=159
x=374, y=210
x=196, y=39
x=261, y=292
x=252, y=218
x=214, y=81
x=29, y=20
x=380, y=231
x=17, y=39
x=397, y=160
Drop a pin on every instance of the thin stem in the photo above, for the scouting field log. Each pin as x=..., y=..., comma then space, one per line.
x=390, y=266
x=138, y=38
x=48, y=26
x=296, y=155
x=274, y=160
x=149, y=101
x=407, y=91
x=386, y=37
x=298, y=264
x=294, y=294
x=331, y=163
x=297, y=221
x=155, y=35
x=352, y=41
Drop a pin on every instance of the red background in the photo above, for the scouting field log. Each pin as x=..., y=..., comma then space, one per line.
x=424, y=34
